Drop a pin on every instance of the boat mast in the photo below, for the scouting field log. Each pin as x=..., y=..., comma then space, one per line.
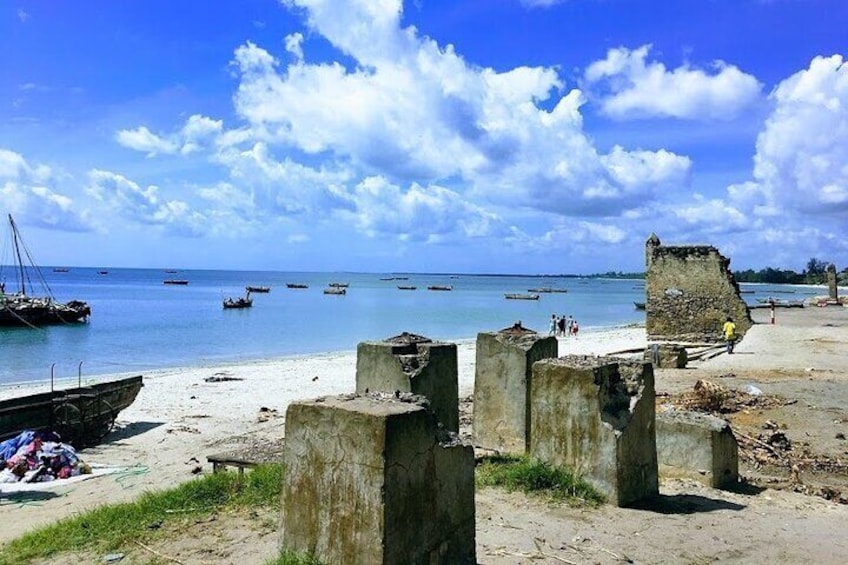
x=18, y=254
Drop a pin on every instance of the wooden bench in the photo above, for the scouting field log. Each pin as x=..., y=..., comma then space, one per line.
x=246, y=458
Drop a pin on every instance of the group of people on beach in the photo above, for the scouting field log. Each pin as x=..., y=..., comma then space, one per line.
x=563, y=326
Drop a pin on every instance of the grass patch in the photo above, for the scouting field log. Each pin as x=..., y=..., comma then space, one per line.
x=110, y=528
x=521, y=473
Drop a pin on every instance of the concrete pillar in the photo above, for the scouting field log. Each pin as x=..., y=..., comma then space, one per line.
x=502, y=378
x=372, y=479
x=666, y=356
x=596, y=416
x=832, y=286
x=697, y=446
x=416, y=364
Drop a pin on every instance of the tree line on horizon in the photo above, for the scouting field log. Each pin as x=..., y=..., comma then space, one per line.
x=815, y=273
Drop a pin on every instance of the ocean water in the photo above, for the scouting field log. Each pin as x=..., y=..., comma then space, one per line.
x=139, y=324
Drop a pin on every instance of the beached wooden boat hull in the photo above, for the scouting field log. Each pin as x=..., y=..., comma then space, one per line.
x=82, y=416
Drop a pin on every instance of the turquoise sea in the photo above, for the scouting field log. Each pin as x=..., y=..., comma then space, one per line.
x=139, y=324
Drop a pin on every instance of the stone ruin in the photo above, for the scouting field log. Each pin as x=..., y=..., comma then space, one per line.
x=502, y=378
x=832, y=285
x=690, y=292
x=697, y=446
x=415, y=364
x=374, y=479
x=596, y=415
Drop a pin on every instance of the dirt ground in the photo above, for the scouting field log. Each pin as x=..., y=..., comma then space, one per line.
x=776, y=515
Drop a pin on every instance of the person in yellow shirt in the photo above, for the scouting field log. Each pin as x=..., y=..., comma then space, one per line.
x=729, y=330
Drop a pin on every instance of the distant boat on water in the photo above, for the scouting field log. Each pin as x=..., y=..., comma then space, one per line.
x=546, y=290
x=181, y=282
x=440, y=287
x=296, y=285
x=639, y=305
x=406, y=287
x=513, y=296
x=259, y=289
x=171, y=271
x=102, y=272
x=339, y=290
x=60, y=270
x=21, y=309
x=339, y=285
x=240, y=302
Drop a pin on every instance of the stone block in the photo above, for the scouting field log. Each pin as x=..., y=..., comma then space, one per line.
x=666, y=356
x=502, y=378
x=414, y=364
x=596, y=416
x=697, y=446
x=373, y=479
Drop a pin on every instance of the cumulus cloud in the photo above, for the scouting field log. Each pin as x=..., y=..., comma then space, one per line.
x=628, y=86
x=197, y=133
x=802, y=154
x=432, y=214
x=144, y=205
x=413, y=111
x=28, y=192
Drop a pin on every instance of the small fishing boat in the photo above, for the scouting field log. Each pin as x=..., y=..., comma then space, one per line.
x=339, y=285
x=259, y=289
x=102, y=272
x=335, y=290
x=179, y=282
x=296, y=285
x=171, y=271
x=440, y=287
x=240, y=302
x=60, y=270
x=515, y=296
x=639, y=305
x=406, y=287
x=81, y=415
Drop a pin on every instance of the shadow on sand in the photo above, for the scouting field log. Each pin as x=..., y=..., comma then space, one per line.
x=684, y=504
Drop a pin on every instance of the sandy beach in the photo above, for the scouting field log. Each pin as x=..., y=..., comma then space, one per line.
x=179, y=418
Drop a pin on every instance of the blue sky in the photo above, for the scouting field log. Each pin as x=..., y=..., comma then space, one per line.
x=512, y=136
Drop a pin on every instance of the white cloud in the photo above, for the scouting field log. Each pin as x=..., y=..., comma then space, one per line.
x=27, y=192
x=23, y=16
x=802, y=154
x=144, y=205
x=413, y=111
x=627, y=86
x=142, y=139
x=294, y=46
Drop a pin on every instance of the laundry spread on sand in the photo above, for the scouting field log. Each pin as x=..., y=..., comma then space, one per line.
x=34, y=457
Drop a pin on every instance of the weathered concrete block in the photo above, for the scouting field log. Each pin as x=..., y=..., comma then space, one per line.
x=666, y=356
x=596, y=416
x=416, y=364
x=832, y=283
x=697, y=446
x=373, y=479
x=502, y=380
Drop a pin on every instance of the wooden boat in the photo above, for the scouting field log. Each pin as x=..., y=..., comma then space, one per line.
x=19, y=308
x=440, y=287
x=81, y=415
x=102, y=272
x=181, y=282
x=296, y=285
x=335, y=290
x=406, y=287
x=60, y=270
x=514, y=296
x=546, y=290
x=639, y=305
x=339, y=285
x=259, y=289
x=240, y=302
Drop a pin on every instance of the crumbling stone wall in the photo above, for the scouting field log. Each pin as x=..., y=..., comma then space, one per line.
x=690, y=292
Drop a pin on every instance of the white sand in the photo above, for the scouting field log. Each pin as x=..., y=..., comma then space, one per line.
x=179, y=418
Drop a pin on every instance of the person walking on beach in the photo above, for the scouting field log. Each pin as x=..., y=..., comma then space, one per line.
x=553, y=329
x=561, y=326
x=568, y=324
x=729, y=330
x=574, y=328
